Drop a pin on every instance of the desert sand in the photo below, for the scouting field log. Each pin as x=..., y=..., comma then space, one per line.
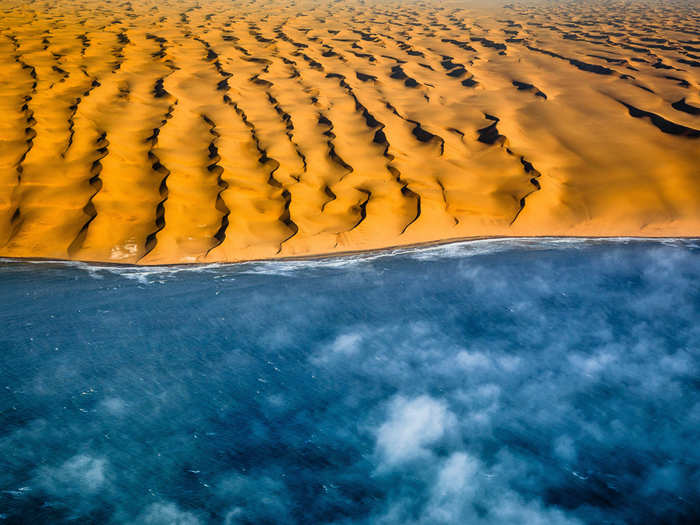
x=184, y=131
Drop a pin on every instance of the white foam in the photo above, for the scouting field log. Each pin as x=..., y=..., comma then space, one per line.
x=147, y=275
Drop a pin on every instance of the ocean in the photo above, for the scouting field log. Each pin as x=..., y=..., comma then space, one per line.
x=531, y=381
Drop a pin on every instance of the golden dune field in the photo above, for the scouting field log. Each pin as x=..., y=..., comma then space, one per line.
x=184, y=131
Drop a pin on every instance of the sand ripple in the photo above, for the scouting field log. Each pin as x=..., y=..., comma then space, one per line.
x=178, y=132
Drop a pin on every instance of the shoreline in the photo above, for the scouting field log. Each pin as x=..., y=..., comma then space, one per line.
x=348, y=253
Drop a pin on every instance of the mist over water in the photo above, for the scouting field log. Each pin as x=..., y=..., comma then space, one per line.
x=486, y=383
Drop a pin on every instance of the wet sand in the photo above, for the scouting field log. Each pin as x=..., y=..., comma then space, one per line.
x=177, y=132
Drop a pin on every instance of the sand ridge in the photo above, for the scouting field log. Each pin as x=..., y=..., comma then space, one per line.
x=175, y=132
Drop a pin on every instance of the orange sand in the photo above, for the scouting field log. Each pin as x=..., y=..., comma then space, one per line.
x=170, y=132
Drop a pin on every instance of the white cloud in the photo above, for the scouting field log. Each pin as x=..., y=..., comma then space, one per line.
x=166, y=513
x=472, y=360
x=81, y=474
x=113, y=406
x=510, y=509
x=593, y=364
x=412, y=425
x=344, y=346
x=255, y=496
x=456, y=478
x=464, y=491
x=565, y=449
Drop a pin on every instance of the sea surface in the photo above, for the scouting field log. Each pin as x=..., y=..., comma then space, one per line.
x=492, y=382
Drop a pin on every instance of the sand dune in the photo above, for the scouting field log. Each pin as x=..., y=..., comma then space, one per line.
x=172, y=132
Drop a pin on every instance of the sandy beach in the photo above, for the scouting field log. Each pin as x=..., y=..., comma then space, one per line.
x=179, y=132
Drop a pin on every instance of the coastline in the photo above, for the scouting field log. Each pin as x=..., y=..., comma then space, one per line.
x=388, y=251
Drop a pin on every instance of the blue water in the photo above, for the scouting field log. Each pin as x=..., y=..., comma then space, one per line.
x=496, y=382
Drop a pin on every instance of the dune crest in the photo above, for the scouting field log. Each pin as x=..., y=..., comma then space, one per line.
x=176, y=132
